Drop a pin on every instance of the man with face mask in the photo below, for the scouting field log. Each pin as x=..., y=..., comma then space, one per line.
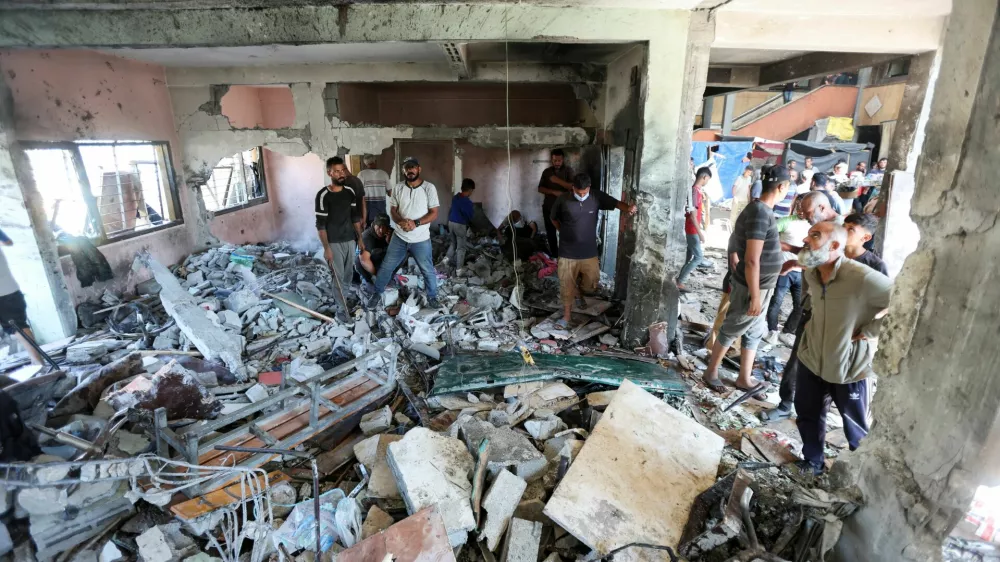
x=556, y=180
x=835, y=355
x=517, y=237
x=575, y=217
x=413, y=206
x=338, y=222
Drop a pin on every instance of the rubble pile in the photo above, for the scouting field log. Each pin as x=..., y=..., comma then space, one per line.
x=230, y=411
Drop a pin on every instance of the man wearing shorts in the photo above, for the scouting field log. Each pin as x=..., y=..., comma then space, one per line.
x=12, y=305
x=575, y=216
x=755, y=248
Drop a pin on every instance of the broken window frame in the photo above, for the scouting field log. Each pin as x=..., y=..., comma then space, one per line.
x=169, y=196
x=249, y=201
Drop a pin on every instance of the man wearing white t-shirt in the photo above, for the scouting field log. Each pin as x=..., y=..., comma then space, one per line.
x=413, y=206
x=376, y=188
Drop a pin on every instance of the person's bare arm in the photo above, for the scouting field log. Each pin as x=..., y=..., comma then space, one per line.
x=555, y=223
x=327, y=251
x=734, y=260
x=534, y=229
x=751, y=270
x=430, y=217
x=360, y=238
x=399, y=220
x=364, y=213
x=559, y=181
x=547, y=191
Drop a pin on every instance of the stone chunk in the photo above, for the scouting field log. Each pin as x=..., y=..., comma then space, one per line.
x=522, y=541
x=230, y=319
x=257, y=392
x=500, y=502
x=434, y=470
x=87, y=352
x=165, y=543
x=241, y=301
x=375, y=522
x=600, y=399
x=508, y=449
x=372, y=453
x=376, y=422
x=545, y=428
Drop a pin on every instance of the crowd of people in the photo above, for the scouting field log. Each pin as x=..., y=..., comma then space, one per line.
x=792, y=233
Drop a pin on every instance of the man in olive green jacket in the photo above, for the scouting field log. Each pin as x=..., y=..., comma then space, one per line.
x=835, y=354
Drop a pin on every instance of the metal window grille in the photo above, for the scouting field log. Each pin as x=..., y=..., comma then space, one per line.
x=236, y=181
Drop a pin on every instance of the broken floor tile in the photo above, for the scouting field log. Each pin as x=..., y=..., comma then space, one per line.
x=422, y=537
x=375, y=522
x=508, y=449
x=500, y=502
x=434, y=470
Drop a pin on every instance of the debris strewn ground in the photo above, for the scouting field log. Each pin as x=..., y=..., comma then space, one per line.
x=229, y=410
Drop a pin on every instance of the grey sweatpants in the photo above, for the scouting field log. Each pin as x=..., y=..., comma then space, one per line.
x=459, y=242
x=343, y=259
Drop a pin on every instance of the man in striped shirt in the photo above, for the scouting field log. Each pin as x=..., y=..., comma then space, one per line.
x=377, y=189
x=755, y=248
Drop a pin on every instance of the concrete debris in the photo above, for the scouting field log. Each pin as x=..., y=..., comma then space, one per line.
x=173, y=387
x=376, y=422
x=509, y=450
x=110, y=553
x=523, y=541
x=165, y=543
x=421, y=537
x=431, y=470
x=375, y=522
x=545, y=428
x=373, y=454
x=500, y=502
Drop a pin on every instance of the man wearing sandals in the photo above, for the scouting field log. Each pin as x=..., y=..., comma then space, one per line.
x=754, y=276
x=836, y=349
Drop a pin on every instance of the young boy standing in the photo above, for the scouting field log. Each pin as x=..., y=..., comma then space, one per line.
x=459, y=218
x=693, y=226
x=860, y=228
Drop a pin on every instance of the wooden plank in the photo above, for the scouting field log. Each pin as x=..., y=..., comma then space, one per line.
x=222, y=497
x=637, y=476
x=419, y=538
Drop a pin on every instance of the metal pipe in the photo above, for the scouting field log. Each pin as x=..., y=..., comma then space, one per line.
x=67, y=439
x=34, y=345
x=319, y=543
x=272, y=450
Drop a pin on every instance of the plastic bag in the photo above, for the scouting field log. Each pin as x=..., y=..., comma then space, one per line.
x=299, y=529
x=347, y=521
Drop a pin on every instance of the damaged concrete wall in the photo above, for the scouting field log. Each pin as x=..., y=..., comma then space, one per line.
x=488, y=167
x=84, y=95
x=937, y=432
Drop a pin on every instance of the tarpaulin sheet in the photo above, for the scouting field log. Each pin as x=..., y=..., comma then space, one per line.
x=825, y=155
x=728, y=162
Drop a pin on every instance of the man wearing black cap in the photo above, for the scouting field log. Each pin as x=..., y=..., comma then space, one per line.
x=413, y=206
x=758, y=262
x=556, y=180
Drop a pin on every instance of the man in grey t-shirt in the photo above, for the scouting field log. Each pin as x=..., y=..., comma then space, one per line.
x=756, y=250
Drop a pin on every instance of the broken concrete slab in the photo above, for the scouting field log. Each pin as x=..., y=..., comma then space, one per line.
x=173, y=387
x=212, y=341
x=637, y=475
x=434, y=470
x=545, y=428
x=508, y=449
x=500, y=502
x=165, y=543
x=56, y=533
x=375, y=522
x=522, y=541
x=421, y=537
x=600, y=399
x=373, y=454
x=376, y=422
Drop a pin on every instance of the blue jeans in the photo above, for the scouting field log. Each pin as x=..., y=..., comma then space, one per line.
x=396, y=253
x=694, y=257
x=790, y=282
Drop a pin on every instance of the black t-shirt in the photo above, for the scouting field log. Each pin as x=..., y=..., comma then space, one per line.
x=564, y=173
x=374, y=245
x=578, y=223
x=336, y=213
x=358, y=186
x=873, y=261
x=519, y=231
x=757, y=222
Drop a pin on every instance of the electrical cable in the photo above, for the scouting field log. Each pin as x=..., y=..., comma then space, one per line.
x=518, y=289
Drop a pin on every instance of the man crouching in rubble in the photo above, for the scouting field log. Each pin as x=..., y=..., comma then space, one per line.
x=835, y=353
x=376, y=239
x=575, y=216
x=413, y=206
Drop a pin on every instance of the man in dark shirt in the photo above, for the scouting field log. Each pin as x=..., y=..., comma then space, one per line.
x=375, y=239
x=517, y=237
x=575, y=216
x=860, y=228
x=338, y=222
x=459, y=217
x=756, y=249
x=556, y=180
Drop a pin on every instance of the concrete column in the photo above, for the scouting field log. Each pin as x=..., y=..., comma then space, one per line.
x=33, y=259
x=937, y=410
x=727, y=113
x=707, y=107
x=864, y=79
x=669, y=106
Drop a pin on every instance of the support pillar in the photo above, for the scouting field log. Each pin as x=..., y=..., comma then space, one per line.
x=33, y=259
x=937, y=410
x=864, y=79
x=728, y=105
x=707, y=107
x=669, y=107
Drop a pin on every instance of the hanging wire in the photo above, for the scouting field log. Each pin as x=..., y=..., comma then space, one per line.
x=518, y=289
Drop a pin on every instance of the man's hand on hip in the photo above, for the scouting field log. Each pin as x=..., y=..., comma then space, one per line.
x=755, y=306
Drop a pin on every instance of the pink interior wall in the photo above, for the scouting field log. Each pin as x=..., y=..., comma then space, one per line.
x=488, y=168
x=277, y=107
x=72, y=95
x=297, y=180
x=241, y=105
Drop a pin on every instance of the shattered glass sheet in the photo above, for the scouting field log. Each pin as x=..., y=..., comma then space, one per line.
x=463, y=373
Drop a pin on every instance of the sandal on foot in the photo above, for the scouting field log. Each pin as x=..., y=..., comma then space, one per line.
x=714, y=386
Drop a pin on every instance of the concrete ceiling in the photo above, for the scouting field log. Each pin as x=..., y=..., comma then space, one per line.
x=750, y=56
x=894, y=9
x=287, y=54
